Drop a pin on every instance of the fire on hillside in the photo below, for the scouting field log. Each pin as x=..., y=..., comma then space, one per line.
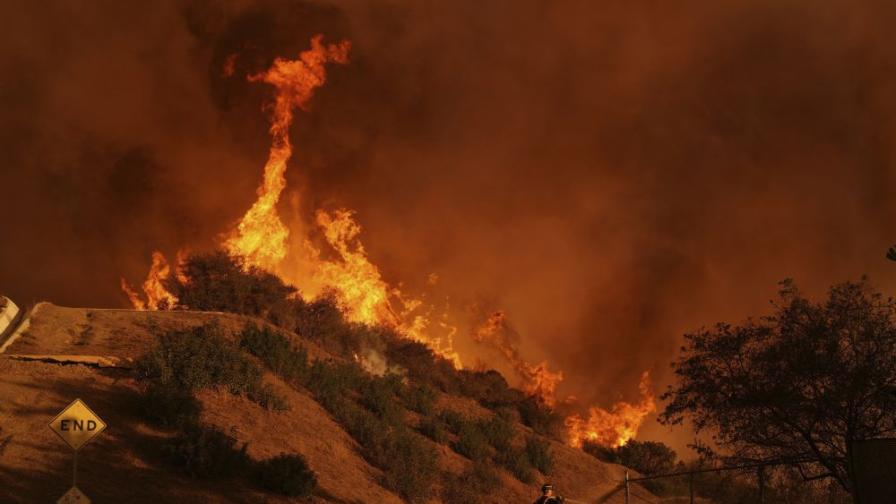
x=263, y=240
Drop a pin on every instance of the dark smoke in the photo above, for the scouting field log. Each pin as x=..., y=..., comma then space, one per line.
x=610, y=174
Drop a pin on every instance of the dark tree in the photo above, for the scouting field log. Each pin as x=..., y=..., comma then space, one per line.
x=646, y=457
x=220, y=282
x=800, y=384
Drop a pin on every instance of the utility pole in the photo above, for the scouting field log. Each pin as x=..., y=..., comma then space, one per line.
x=760, y=478
x=626, y=487
x=691, y=487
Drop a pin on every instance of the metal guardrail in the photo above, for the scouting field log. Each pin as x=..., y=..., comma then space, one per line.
x=758, y=466
x=10, y=317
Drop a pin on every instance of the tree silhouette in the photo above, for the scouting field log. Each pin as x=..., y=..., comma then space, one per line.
x=800, y=384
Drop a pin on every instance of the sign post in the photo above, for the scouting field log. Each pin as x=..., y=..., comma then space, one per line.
x=77, y=424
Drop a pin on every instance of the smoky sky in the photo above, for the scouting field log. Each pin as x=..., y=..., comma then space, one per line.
x=611, y=174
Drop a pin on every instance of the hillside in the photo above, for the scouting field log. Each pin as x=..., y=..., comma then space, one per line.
x=59, y=354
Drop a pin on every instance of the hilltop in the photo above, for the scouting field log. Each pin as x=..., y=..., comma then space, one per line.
x=58, y=354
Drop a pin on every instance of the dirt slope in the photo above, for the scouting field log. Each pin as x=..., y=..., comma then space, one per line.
x=126, y=464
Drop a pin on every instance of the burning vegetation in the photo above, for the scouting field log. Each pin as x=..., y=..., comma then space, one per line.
x=342, y=275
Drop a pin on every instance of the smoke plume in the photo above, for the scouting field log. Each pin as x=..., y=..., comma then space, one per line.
x=609, y=175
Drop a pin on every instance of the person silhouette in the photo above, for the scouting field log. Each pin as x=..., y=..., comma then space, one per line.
x=548, y=496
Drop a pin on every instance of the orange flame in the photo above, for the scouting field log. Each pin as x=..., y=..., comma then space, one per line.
x=537, y=379
x=613, y=428
x=261, y=236
x=261, y=239
x=362, y=293
x=157, y=296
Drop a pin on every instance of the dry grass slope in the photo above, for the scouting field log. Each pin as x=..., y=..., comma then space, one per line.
x=126, y=463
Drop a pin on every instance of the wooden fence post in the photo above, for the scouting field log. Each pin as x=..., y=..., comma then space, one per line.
x=626, y=487
x=691, y=487
x=760, y=479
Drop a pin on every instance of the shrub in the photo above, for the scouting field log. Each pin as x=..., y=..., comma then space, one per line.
x=646, y=457
x=207, y=453
x=170, y=406
x=600, y=452
x=490, y=389
x=371, y=432
x=480, y=479
x=323, y=322
x=498, y=430
x=286, y=475
x=539, y=455
x=516, y=461
x=268, y=398
x=419, y=398
x=412, y=468
x=422, y=365
x=471, y=442
x=452, y=419
x=434, y=429
x=199, y=358
x=221, y=282
x=378, y=395
x=409, y=465
x=540, y=417
x=276, y=351
x=327, y=380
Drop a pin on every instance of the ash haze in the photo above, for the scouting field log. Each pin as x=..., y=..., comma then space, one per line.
x=609, y=174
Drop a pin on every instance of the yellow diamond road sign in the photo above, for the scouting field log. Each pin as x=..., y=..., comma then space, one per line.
x=77, y=425
x=73, y=496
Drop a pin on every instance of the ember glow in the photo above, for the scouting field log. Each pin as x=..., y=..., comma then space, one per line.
x=616, y=426
x=344, y=269
x=537, y=379
x=154, y=292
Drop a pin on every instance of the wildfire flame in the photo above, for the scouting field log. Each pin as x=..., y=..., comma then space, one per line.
x=537, y=379
x=262, y=240
x=261, y=236
x=157, y=296
x=613, y=428
x=362, y=293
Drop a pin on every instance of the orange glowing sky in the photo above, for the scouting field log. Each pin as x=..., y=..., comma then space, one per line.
x=608, y=176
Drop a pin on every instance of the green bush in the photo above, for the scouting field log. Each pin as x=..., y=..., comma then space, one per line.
x=471, y=442
x=372, y=433
x=539, y=455
x=286, y=475
x=422, y=365
x=498, y=430
x=207, y=453
x=490, y=389
x=646, y=457
x=326, y=380
x=408, y=464
x=516, y=461
x=434, y=429
x=268, y=398
x=541, y=418
x=221, y=282
x=412, y=468
x=452, y=419
x=322, y=321
x=378, y=395
x=170, y=406
x=199, y=358
x=419, y=398
x=480, y=479
x=276, y=351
